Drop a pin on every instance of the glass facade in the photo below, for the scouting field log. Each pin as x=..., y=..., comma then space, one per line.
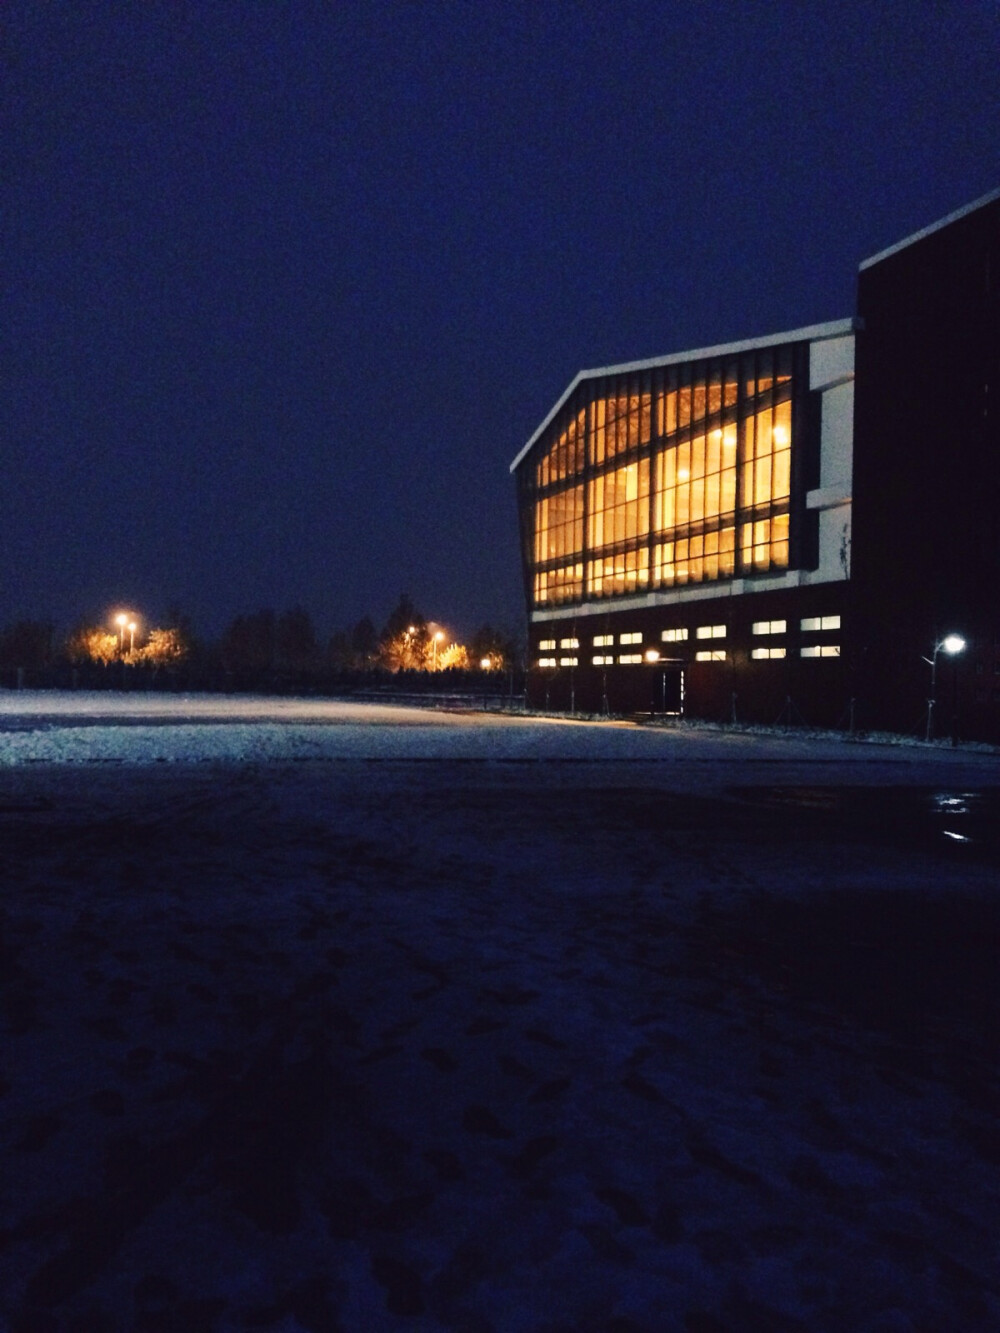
x=680, y=474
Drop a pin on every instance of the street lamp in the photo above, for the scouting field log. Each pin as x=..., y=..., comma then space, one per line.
x=131, y=637
x=952, y=644
x=438, y=638
x=121, y=620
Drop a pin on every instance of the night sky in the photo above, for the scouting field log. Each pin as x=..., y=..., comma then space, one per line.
x=288, y=286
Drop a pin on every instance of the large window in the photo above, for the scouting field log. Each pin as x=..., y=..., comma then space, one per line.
x=696, y=479
x=559, y=585
x=628, y=571
x=765, y=468
x=618, y=505
x=558, y=537
x=695, y=503
x=565, y=457
x=710, y=555
x=621, y=421
x=618, y=517
x=559, y=530
x=675, y=475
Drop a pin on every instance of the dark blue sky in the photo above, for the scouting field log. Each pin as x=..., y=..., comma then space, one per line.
x=288, y=286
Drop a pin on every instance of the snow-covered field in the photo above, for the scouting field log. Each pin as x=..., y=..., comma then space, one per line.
x=328, y=1016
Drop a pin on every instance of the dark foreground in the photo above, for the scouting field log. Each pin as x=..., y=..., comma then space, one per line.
x=483, y=1046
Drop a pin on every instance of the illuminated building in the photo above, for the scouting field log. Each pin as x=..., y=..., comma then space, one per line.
x=783, y=527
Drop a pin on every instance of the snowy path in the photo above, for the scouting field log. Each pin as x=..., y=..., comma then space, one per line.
x=522, y=1025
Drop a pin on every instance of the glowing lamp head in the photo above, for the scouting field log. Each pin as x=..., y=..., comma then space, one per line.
x=953, y=643
x=485, y=663
x=652, y=655
x=121, y=619
x=439, y=636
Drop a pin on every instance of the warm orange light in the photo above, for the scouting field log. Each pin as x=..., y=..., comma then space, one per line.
x=652, y=655
x=121, y=620
x=486, y=663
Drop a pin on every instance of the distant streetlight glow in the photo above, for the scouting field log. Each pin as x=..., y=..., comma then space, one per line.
x=652, y=655
x=121, y=620
x=952, y=644
x=131, y=637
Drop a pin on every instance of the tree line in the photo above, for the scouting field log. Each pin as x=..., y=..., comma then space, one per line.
x=263, y=649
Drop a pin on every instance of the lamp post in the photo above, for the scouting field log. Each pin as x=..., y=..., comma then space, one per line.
x=131, y=637
x=952, y=644
x=652, y=656
x=438, y=638
x=121, y=620
x=408, y=653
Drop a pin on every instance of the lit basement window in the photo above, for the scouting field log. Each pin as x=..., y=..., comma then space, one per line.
x=546, y=645
x=674, y=635
x=569, y=643
x=820, y=622
x=770, y=627
x=761, y=653
x=710, y=632
x=634, y=637
x=711, y=655
x=630, y=659
x=568, y=661
x=546, y=661
x=822, y=650
x=603, y=659
x=603, y=640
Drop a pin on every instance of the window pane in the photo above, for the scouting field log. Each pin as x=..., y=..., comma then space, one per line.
x=698, y=400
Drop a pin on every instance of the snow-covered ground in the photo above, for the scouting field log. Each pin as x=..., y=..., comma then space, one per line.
x=138, y=728
x=331, y=1016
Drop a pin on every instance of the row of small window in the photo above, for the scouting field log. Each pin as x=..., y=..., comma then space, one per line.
x=808, y=624
x=705, y=655
x=811, y=650
x=635, y=636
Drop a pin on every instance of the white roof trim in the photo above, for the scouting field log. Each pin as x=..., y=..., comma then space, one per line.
x=928, y=231
x=812, y=333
